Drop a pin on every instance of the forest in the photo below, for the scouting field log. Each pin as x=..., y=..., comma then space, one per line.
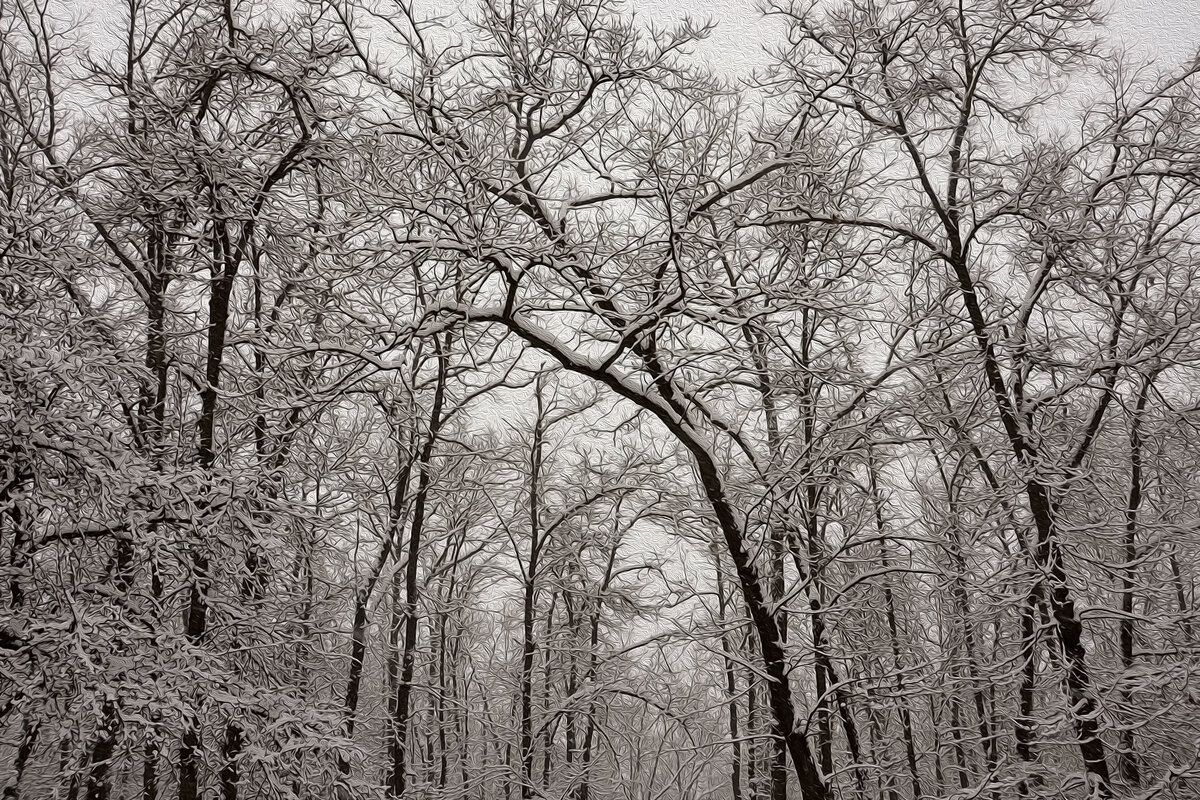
x=501, y=402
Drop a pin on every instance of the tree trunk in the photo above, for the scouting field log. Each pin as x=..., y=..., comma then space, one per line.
x=1024, y=726
x=1083, y=706
x=224, y=269
x=1128, y=761
x=529, y=598
x=25, y=745
x=889, y=602
x=398, y=746
x=735, y=768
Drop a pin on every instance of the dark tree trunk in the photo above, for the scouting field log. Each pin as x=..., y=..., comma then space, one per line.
x=224, y=267
x=735, y=767
x=889, y=601
x=1181, y=599
x=1024, y=725
x=362, y=598
x=25, y=745
x=1048, y=547
x=529, y=600
x=1128, y=761
x=398, y=746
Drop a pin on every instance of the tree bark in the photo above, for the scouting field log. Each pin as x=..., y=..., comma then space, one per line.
x=735, y=767
x=1128, y=760
x=529, y=596
x=398, y=746
x=889, y=601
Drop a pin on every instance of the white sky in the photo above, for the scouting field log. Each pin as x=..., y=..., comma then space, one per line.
x=1167, y=31
x=1164, y=30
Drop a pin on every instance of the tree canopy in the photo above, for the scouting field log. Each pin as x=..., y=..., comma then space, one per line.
x=505, y=404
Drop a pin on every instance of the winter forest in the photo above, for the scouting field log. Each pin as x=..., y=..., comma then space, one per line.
x=500, y=402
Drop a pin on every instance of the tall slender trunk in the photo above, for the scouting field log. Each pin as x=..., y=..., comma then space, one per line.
x=777, y=545
x=962, y=766
x=1181, y=599
x=1127, y=760
x=105, y=737
x=939, y=773
x=1024, y=726
x=1048, y=550
x=25, y=745
x=508, y=771
x=150, y=423
x=395, y=630
x=398, y=746
x=777, y=536
x=461, y=722
x=735, y=767
x=962, y=602
x=989, y=725
x=571, y=680
x=440, y=701
x=529, y=596
x=885, y=778
x=362, y=597
x=583, y=792
x=753, y=727
x=548, y=731
x=254, y=581
x=829, y=688
x=889, y=601
x=817, y=624
x=224, y=266
x=154, y=422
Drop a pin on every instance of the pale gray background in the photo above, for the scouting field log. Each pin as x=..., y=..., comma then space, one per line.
x=1166, y=31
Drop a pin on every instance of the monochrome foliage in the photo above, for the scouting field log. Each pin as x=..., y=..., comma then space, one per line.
x=508, y=404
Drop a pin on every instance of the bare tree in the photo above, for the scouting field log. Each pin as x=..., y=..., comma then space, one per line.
x=503, y=406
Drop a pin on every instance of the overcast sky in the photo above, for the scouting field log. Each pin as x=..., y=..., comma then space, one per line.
x=1165, y=30
x=1169, y=29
